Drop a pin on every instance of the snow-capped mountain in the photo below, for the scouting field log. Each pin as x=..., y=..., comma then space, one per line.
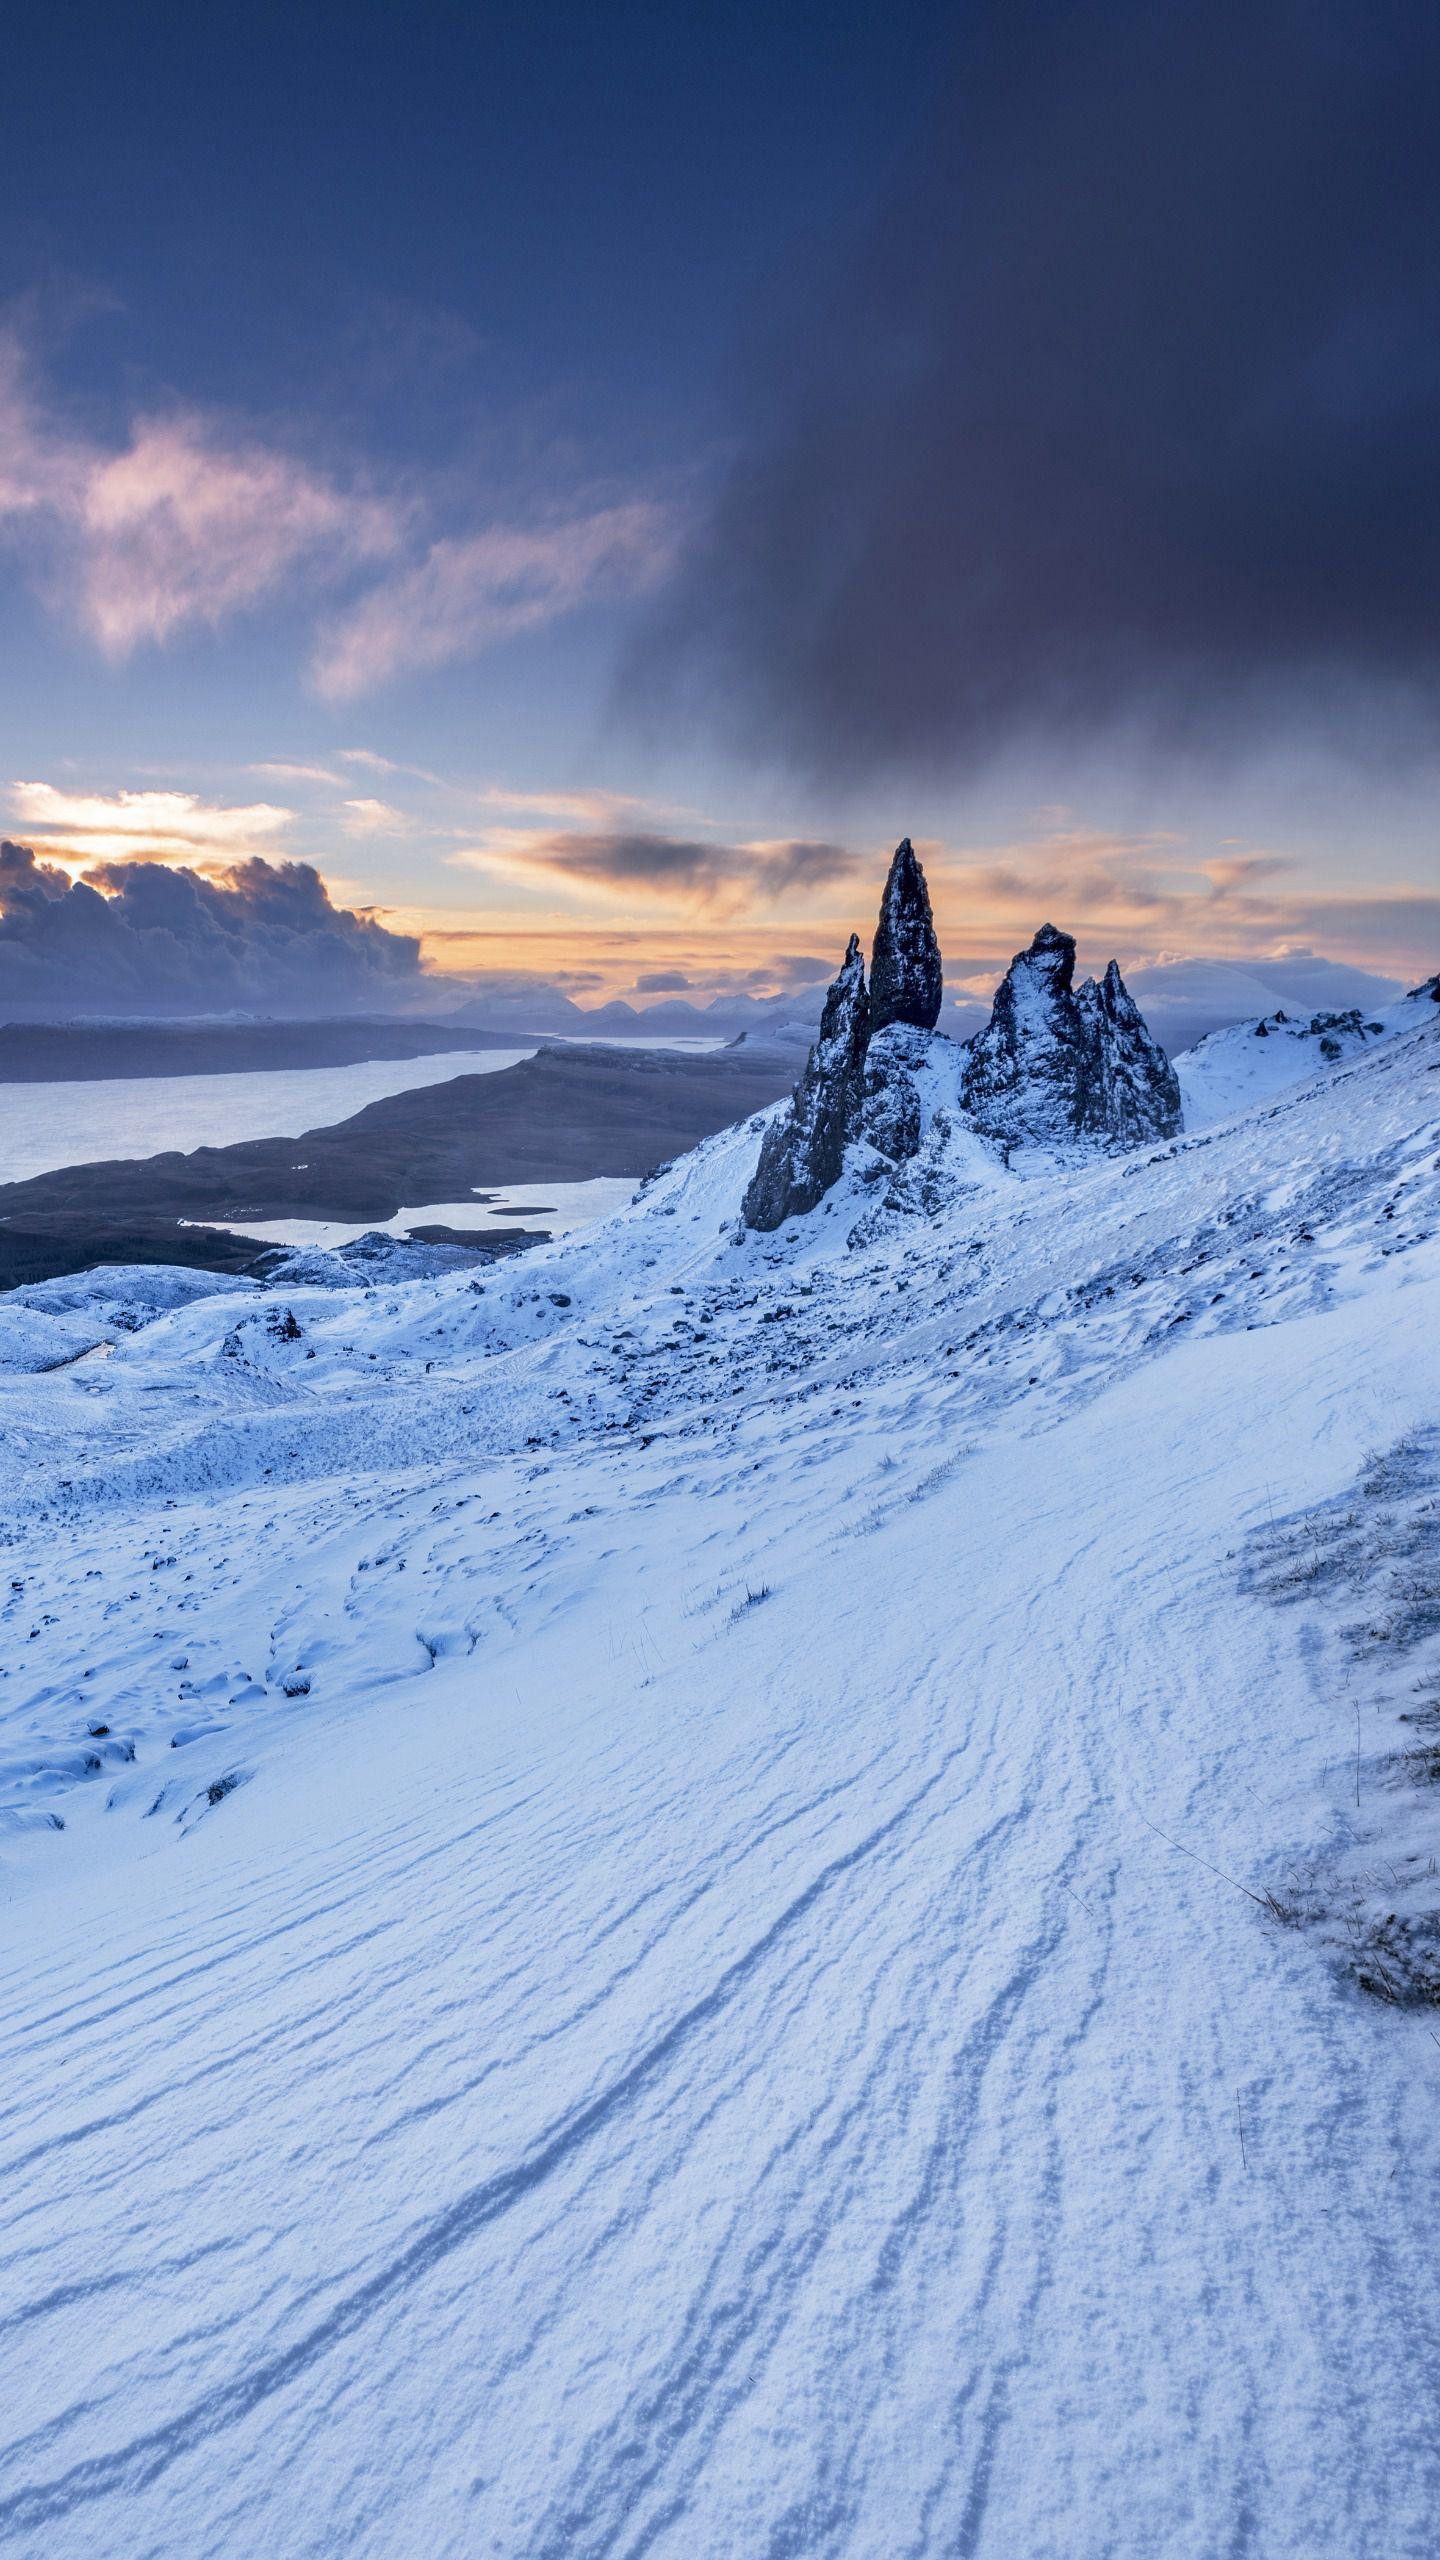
x=730, y=1891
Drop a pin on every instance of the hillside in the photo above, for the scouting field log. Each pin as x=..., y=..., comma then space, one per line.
x=725, y=1893
x=1248, y=1062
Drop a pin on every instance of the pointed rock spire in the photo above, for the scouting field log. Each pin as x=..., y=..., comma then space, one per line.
x=905, y=973
x=804, y=1153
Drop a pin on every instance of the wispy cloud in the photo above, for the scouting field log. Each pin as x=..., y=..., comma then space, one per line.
x=122, y=824
x=179, y=529
x=373, y=818
x=470, y=592
x=282, y=769
x=190, y=519
x=595, y=805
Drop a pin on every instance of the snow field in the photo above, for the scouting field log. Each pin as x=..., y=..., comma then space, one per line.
x=640, y=2067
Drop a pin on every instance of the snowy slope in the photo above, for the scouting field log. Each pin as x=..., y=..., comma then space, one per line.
x=722, y=1904
x=1249, y=1062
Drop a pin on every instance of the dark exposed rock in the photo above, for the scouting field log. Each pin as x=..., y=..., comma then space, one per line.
x=905, y=974
x=1054, y=1064
x=1131, y=1093
x=804, y=1153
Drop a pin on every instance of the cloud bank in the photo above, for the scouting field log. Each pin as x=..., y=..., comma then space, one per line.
x=1124, y=413
x=139, y=938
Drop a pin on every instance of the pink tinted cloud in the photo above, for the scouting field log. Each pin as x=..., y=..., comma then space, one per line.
x=189, y=521
x=183, y=524
x=183, y=528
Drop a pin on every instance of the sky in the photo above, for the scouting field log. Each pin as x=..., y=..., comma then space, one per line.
x=585, y=481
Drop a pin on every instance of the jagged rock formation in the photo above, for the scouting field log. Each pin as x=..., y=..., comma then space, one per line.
x=1131, y=1093
x=803, y=1154
x=906, y=980
x=1052, y=1064
x=1055, y=1065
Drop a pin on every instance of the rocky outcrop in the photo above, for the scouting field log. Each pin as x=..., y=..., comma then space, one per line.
x=890, y=1114
x=1056, y=1066
x=804, y=1153
x=1130, y=1093
x=906, y=981
x=1054, y=1063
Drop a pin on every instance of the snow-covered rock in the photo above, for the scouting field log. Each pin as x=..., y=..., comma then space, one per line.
x=1233, y=1069
x=1129, y=1094
x=1055, y=1068
x=374, y=1258
x=1055, y=1064
x=48, y=1323
x=890, y=1116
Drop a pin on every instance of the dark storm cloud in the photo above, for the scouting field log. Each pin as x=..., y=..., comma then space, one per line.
x=150, y=939
x=1127, y=409
x=691, y=868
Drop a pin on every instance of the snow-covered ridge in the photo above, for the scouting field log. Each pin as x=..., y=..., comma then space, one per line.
x=660, y=1936
x=209, y=1387
x=1247, y=1062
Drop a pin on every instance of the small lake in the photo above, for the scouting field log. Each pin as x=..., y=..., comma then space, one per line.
x=557, y=1207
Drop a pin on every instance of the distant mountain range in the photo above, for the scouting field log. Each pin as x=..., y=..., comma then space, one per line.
x=544, y=1009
